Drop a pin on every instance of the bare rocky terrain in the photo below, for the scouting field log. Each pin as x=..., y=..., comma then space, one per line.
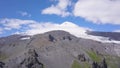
x=57, y=49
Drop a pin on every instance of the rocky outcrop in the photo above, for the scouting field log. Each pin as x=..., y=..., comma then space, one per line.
x=31, y=60
x=82, y=57
x=51, y=38
x=2, y=64
x=103, y=64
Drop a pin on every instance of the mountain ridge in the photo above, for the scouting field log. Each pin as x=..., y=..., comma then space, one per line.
x=58, y=49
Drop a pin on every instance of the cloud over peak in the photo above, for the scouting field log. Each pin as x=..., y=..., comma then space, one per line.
x=66, y=26
x=34, y=27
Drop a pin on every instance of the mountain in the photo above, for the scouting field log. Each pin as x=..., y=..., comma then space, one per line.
x=110, y=35
x=57, y=49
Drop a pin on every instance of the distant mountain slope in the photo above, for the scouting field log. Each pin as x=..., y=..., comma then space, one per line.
x=110, y=35
x=57, y=49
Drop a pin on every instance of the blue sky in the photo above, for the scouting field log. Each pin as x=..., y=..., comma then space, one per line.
x=88, y=14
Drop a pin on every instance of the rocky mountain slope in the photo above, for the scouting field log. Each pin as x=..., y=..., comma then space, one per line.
x=57, y=49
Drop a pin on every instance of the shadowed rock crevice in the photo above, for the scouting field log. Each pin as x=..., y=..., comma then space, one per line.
x=2, y=64
x=51, y=38
x=67, y=37
x=82, y=57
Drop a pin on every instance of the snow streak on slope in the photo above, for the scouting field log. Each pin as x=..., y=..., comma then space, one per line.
x=25, y=38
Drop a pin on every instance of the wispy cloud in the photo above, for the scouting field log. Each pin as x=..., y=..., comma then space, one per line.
x=10, y=24
x=98, y=11
x=59, y=9
x=23, y=13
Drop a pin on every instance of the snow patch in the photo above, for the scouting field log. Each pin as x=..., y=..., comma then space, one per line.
x=25, y=38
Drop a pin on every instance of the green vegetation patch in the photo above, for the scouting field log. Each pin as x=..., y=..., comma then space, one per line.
x=87, y=65
x=112, y=61
x=76, y=64
x=94, y=56
x=3, y=56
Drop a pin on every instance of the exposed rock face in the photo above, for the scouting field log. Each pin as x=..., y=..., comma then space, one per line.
x=82, y=57
x=31, y=60
x=95, y=65
x=51, y=38
x=104, y=64
x=2, y=64
x=56, y=49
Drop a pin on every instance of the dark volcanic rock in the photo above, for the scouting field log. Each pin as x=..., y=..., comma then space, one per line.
x=82, y=57
x=2, y=64
x=102, y=64
x=51, y=38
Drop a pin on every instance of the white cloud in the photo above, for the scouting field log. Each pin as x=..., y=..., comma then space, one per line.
x=59, y=9
x=98, y=11
x=10, y=24
x=23, y=13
